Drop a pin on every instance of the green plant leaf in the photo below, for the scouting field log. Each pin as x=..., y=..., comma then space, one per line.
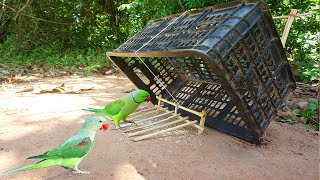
x=312, y=106
x=307, y=127
x=313, y=100
x=296, y=111
x=288, y=121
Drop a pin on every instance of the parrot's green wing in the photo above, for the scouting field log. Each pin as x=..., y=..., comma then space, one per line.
x=114, y=107
x=74, y=149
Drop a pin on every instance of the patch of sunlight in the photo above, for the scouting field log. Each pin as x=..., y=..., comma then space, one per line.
x=10, y=132
x=52, y=116
x=127, y=171
x=8, y=161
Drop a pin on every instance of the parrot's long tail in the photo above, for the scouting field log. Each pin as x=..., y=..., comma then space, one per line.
x=92, y=110
x=41, y=164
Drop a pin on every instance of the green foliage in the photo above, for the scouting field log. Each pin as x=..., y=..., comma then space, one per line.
x=309, y=114
x=302, y=44
x=50, y=57
x=288, y=121
x=69, y=33
x=305, y=59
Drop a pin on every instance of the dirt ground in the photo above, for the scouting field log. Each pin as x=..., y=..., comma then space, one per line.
x=31, y=124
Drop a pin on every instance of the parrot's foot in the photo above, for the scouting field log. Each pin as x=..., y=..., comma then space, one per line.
x=80, y=172
x=117, y=128
x=131, y=123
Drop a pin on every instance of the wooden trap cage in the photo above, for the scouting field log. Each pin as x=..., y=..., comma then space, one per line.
x=226, y=59
x=158, y=120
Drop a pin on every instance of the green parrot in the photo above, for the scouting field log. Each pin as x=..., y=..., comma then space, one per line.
x=120, y=109
x=72, y=151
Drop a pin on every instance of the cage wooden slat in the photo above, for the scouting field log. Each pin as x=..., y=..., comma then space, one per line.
x=143, y=115
x=154, y=123
x=139, y=112
x=157, y=127
x=165, y=130
x=153, y=117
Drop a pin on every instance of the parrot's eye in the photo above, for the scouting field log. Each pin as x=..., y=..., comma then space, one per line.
x=100, y=121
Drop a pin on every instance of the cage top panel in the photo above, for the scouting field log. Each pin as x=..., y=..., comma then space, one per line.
x=201, y=29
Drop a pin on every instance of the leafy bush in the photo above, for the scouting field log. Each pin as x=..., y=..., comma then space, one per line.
x=74, y=33
x=304, y=61
x=309, y=114
x=50, y=57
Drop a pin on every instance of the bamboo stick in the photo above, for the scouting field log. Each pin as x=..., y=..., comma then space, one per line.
x=159, y=104
x=287, y=27
x=181, y=107
x=152, y=117
x=165, y=130
x=176, y=109
x=157, y=127
x=298, y=15
x=142, y=115
x=157, y=122
x=202, y=121
x=138, y=112
x=194, y=125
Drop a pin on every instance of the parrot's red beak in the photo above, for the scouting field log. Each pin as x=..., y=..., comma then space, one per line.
x=104, y=126
x=148, y=99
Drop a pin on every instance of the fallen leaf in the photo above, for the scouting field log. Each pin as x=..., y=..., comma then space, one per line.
x=60, y=89
x=290, y=115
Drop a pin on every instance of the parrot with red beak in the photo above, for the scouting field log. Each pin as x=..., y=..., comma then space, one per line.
x=120, y=109
x=72, y=151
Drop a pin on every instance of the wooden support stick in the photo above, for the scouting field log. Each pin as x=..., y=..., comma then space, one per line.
x=152, y=117
x=194, y=125
x=157, y=127
x=298, y=15
x=176, y=109
x=181, y=107
x=142, y=115
x=138, y=112
x=165, y=130
x=159, y=104
x=151, y=124
x=202, y=121
x=286, y=30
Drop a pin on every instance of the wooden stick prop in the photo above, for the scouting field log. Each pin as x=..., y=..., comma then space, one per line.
x=157, y=127
x=298, y=15
x=152, y=117
x=181, y=107
x=154, y=123
x=138, y=112
x=202, y=121
x=286, y=30
x=142, y=115
x=165, y=130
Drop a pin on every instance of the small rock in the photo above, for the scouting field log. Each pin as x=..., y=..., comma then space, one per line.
x=110, y=71
x=303, y=104
x=5, y=72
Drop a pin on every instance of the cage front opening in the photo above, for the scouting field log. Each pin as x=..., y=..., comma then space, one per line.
x=192, y=83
